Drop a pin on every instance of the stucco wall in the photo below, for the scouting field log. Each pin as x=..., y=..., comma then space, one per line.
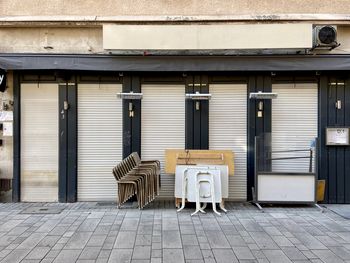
x=86, y=40
x=169, y=7
x=51, y=40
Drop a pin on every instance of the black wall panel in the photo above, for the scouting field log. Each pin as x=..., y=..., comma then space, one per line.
x=256, y=125
x=131, y=126
x=334, y=160
x=197, y=121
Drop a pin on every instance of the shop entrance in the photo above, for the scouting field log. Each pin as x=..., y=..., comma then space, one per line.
x=294, y=124
x=100, y=133
x=39, y=142
x=228, y=131
x=162, y=127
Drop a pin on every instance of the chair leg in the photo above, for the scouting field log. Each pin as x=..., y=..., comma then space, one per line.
x=212, y=190
x=222, y=207
x=184, y=191
x=198, y=205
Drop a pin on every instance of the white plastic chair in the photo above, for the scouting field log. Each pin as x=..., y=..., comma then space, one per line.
x=210, y=181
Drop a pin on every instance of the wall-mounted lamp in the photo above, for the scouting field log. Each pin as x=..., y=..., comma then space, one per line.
x=260, y=109
x=131, y=110
x=130, y=96
x=338, y=104
x=198, y=97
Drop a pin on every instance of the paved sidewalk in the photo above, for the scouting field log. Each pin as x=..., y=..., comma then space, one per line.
x=88, y=232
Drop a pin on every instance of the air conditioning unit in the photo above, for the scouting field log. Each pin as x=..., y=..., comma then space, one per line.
x=325, y=36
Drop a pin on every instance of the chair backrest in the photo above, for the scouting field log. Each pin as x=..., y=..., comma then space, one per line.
x=125, y=166
x=136, y=157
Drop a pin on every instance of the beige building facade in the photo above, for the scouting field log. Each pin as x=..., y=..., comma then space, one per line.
x=79, y=47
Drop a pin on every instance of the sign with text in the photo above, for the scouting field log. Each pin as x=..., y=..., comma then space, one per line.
x=6, y=116
x=338, y=136
x=2, y=80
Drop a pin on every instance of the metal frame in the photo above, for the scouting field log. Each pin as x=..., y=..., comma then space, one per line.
x=257, y=202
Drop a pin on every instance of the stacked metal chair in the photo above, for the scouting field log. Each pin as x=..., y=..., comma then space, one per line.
x=139, y=178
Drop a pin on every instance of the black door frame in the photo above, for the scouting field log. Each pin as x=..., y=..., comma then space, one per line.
x=67, y=135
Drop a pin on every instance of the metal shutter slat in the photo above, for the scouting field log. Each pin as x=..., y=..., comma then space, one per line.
x=228, y=130
x=162, y=126
x=99, y=140
x=294, y=123
x=39, y=142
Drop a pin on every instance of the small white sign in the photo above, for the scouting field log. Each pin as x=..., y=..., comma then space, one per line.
x=6, y=116
x=337, y=136
x=7, y=129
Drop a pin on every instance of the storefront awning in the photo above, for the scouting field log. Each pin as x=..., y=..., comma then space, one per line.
x=175, y=63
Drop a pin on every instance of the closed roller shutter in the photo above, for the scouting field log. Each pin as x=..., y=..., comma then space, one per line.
x=294, y=124
x=162, y=126
x=39, y=142
x=99, y=140
x=228, y=131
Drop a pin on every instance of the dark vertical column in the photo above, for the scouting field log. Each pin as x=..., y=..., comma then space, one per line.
x=197, y=118
x=346, y=109
x=251, y=135
x=136, y=120
x=267, y=119
x=127, y=125
x=196, y=115
x=259, y=121
x=72, y=143
x=204, y=110
x=131, y=125
x=332, y=150
x=257, y=125
x=323, y=117
x=189, y=106
x=267, y=106
x=62, y=123
x=340, y=195
x=16, y=182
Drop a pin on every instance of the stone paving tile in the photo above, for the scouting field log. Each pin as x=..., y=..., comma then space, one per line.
x=293, y=253
x=192, y=252
x=67, y=256
x=224, y=255
x=263, y=240
x=38, y=253
x=156, y=253
x=89, y=225
x=309, y=241
x=141, y=252
x=125, y=239
x=120, y=255
x=282, y=241
x=173, y=255
x=341, y=252
x=327, y=256
x=78, y=240
x=189, y=240
x=217, y=239
x=171, y=239
x=16, y=256
x=96, y=240
x=243, y=253
x=90, y=253
x=276, y=256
